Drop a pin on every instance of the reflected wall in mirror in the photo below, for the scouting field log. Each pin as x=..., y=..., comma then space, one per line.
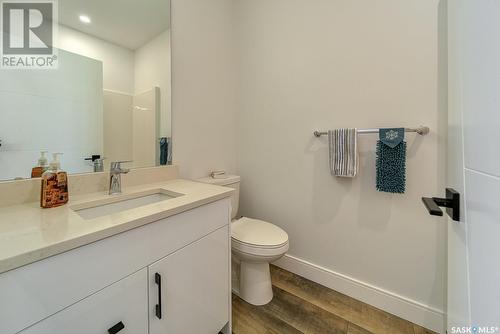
x=108, y=99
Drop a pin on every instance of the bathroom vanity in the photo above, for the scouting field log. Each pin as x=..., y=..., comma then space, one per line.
x=157, y=266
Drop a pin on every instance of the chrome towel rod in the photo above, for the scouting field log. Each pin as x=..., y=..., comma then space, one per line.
x=421, y=130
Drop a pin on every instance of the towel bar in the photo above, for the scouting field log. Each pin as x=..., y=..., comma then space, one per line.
x=421, y=130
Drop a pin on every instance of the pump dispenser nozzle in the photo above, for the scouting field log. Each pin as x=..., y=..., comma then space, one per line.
x=55, y=165
x=42, y=161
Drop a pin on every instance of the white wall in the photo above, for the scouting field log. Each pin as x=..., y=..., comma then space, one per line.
x=118, y=62
x=323, y=64
x=203, y=93
x=153, y=69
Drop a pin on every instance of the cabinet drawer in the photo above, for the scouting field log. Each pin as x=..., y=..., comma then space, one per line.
x=122, y=303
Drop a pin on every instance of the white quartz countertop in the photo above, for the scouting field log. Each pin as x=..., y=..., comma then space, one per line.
x=29, y=233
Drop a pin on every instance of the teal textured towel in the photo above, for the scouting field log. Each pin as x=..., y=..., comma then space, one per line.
x=391, y=161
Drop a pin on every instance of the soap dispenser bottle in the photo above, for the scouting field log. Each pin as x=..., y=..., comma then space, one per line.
x=54, y=190
x=41, y=167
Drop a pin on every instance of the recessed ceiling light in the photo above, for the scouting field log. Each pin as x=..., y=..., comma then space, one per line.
x=84, y=18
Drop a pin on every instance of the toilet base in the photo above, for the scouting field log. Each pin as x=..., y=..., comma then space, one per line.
x=255, y=283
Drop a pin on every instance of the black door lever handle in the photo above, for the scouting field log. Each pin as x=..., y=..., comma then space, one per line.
x=116, y=328
x=451, y=203
x=432, y=206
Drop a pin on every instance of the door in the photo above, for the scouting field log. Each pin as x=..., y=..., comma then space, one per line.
x=189, y=290
x=474, y=164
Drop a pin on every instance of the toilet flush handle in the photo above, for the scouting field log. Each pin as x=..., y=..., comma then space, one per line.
x=218, y=174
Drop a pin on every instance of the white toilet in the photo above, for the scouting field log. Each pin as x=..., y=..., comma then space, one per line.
x=254, y=243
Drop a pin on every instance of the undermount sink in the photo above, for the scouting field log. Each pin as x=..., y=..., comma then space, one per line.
x=111, y=205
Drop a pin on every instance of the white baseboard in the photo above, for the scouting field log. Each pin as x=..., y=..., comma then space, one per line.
x=402, y=307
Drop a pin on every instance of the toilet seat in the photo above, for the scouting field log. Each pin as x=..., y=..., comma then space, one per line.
x=258, y=238
x=258, y=233
x=264, y=254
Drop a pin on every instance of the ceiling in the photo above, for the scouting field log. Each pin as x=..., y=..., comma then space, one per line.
x=128, y=23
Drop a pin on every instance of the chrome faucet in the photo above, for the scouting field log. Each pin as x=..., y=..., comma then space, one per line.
x=115, y=177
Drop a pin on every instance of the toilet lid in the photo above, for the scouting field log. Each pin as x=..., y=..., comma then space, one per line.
x=258, y=233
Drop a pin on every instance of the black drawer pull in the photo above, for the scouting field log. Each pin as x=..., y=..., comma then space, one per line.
x=158, y=306
x=116, y=328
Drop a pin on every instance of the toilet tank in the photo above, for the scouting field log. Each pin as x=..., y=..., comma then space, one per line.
x=231, y=181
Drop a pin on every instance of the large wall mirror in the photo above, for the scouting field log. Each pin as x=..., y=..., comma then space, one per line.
x=109, y=98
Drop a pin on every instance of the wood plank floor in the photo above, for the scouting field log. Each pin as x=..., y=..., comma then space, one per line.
x=301, y=306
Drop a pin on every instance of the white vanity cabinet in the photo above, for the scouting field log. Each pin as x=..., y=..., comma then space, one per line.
x=109, y=286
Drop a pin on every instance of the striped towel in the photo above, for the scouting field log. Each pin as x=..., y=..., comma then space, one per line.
x=343, y=147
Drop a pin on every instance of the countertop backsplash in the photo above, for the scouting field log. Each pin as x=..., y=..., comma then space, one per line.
x=27, y=191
